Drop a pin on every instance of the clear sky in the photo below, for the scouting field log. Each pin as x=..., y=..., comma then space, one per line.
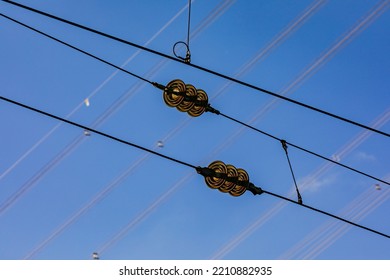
x=65, y=195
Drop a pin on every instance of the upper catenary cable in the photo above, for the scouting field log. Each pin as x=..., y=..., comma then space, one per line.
x=189, y=99
x=355, y=123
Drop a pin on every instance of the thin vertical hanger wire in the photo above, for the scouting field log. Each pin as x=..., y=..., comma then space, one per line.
x=186, y=59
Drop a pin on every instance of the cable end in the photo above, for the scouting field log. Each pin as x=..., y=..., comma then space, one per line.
x=205, y=171
x=300, y=199
x=253, y=189
x=212, y=110
x=284, y=144
x=159, y=86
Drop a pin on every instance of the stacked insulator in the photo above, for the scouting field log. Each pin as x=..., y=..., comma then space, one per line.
x=227, y=178
x=185, y=97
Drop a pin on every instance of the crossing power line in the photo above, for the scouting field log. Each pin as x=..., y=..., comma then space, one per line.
x=218, y=175
x=207, y=20
x=261, y=54
x=191, y=97
x=301, y=104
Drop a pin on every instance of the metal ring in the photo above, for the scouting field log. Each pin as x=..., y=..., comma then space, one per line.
x=215, y=182
x=240, y=188
x=198, y=110
x=186, y=59
x=184, y=105
x=170, y=98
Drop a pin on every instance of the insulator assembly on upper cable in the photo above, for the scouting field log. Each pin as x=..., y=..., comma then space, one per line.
x=185, y=97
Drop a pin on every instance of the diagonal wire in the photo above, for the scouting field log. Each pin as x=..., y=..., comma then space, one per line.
x=326, y=213
x=78, y=49
x=96, y=199
x=291, y=27
x=212, y=16
x=362, y=136
x=303, y=149
x=210, y=109
x=285, y=147
x=382, y=119
x=259, y=191
x=69, y=148
x=96, y=131
x=336, y=233
x=344, y=151
x=278, y=39
x=90, y=96
x=144, y=214
x=322, y=231
x=328, y=233
x=379, y=9
x=356, y=141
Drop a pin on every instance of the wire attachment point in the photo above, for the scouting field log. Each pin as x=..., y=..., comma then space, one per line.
x=186, y=59
x=284, y=145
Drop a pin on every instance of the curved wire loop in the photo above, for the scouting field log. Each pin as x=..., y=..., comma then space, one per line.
x=186, y=59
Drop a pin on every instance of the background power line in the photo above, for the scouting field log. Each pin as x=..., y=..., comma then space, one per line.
x=260, y=191
x=304, y=185
x=379, y=8
x=214, y=14
x=326, y=234
x=187, y=120
x=261, y=54
x=90, y=96
x=96, y=131
x=211, y=109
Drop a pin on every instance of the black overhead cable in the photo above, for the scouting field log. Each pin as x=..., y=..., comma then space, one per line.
x=200, y=68
x=85, y=128
x=186, y=59
x=76, y=48
x=324, y=212
x=208, y=107
x=285, y=147
x=189, y=23
x=204, y=171
x=298, y=147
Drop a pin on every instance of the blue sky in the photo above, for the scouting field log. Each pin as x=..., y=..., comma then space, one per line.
x=65, y=195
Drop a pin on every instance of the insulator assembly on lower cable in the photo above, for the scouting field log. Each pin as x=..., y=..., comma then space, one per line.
x=227, y=178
